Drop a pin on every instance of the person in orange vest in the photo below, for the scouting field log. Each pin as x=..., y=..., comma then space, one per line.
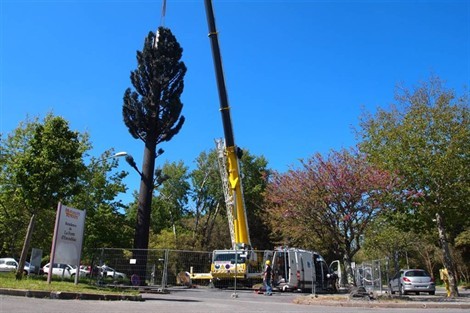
x=444, y=274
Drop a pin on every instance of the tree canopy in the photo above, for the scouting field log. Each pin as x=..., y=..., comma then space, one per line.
x=152, y=112
x=425, y=138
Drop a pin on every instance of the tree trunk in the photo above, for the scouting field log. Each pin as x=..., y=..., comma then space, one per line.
x=348, y=270
x=448, y=262
x=24, y=252
x=142, y=229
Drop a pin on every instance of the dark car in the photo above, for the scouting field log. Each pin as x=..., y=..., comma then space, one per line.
x=412, y=280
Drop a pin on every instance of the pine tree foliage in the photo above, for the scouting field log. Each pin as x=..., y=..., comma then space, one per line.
x=153, y=109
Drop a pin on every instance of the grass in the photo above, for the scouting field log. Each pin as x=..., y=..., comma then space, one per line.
x=39, y=283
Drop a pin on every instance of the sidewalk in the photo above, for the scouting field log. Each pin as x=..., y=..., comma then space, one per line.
x=67, y=295
x=385, y=300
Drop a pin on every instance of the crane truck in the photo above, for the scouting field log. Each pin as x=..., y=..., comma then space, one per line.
x=239, y=262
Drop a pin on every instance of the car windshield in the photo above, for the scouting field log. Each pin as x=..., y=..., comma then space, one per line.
x=229, y=257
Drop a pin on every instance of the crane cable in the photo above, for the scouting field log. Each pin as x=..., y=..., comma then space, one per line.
x=162, y=18
x=162, y=23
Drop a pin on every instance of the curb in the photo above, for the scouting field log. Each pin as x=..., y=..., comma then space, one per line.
x=68, y=295
x=416, y=305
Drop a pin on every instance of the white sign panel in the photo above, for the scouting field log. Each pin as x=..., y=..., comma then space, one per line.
x=70, y=225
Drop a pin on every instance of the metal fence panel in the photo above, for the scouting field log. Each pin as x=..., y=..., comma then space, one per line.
x=162, y=268
x=373, y=275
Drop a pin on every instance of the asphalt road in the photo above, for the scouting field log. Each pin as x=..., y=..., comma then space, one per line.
x=195, y=300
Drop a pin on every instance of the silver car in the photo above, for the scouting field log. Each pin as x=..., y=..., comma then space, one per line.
x=412, y=280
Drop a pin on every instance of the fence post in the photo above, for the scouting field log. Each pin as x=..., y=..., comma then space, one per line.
x=152, y=277
x=165, y=269
x=380, y=276
x=100, y=271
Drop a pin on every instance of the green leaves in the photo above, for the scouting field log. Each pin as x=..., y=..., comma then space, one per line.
x=153, y=110
x=425, y=138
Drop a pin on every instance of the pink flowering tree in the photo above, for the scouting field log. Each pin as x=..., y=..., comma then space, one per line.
x=327, y=203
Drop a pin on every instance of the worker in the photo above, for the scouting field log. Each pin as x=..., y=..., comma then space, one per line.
x=444, y=274
x=267, y=278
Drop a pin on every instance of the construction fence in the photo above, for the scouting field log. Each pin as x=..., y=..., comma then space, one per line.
x=162, y=268
x=166, y=268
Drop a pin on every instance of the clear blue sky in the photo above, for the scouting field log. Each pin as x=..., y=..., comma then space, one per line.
x=298, y=73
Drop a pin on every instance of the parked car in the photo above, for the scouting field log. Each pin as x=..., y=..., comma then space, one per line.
x=412, y=280
x=111, y=272
x=31, y=269
x=63, y=270
x=89, y=271
x=10, y=264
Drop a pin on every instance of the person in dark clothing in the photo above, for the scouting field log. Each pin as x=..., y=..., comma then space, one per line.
x=267, y=278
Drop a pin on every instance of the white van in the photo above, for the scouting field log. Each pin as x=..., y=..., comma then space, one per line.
x=300, y=270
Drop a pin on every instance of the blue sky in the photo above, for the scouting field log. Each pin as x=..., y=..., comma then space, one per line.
x=298, y=73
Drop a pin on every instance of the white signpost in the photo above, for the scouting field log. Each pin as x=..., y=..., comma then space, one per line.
x=68, y=238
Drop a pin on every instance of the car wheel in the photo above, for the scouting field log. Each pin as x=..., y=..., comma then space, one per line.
x=432, y=293
x=402, y=290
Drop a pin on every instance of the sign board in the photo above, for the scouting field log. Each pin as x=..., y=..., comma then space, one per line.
x=68, y=235
x=36, y=257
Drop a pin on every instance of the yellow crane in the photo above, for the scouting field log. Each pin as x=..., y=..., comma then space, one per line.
x=236, y=262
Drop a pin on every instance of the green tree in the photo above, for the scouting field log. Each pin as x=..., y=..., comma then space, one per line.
x=208, y=198
x=42, y=163
x=385, y=240
x=462, y=245
x=172, y=198
x=255, y=179
x=209, y=217
x=152, y=113
x=106, y=224
x=425, y=139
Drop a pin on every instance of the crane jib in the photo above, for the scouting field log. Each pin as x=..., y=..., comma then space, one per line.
x=224, y=106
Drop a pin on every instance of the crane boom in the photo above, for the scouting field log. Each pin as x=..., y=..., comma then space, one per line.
x=241, y=233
